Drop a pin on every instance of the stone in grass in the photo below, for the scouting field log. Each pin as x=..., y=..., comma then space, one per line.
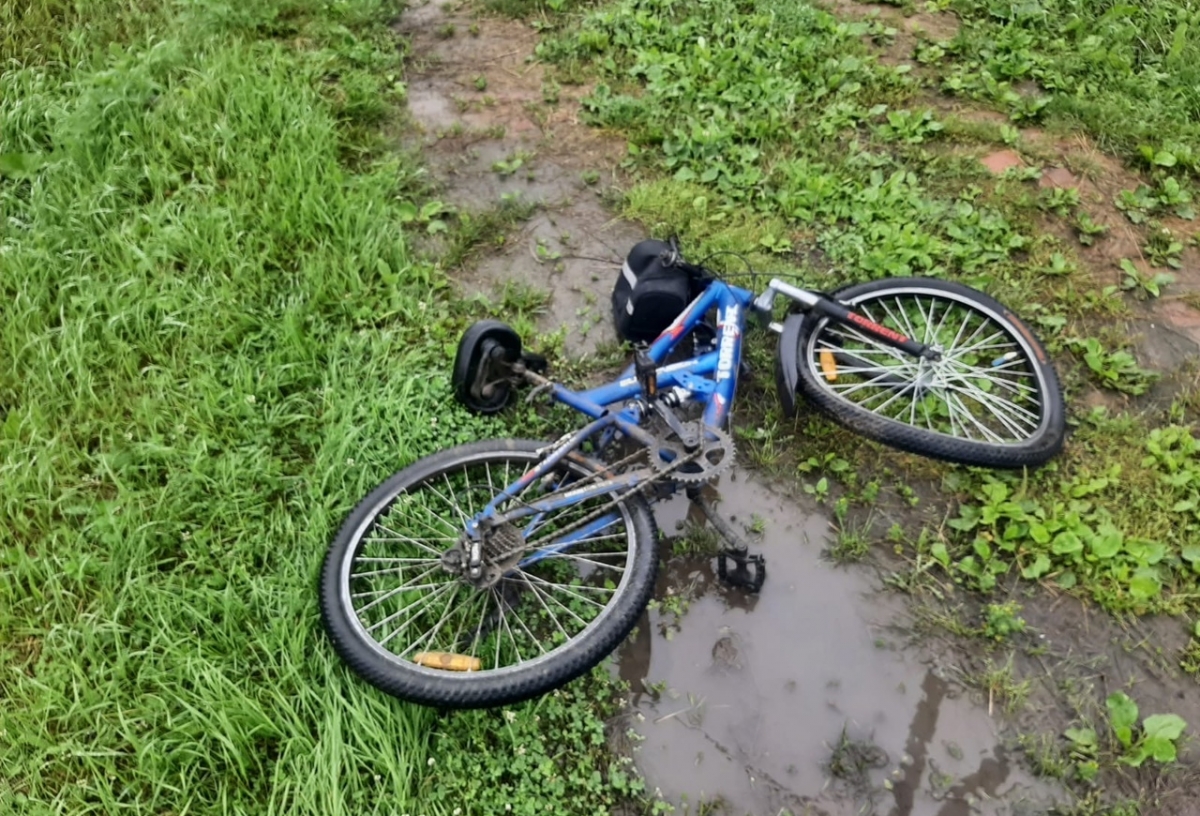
x=1059, y=177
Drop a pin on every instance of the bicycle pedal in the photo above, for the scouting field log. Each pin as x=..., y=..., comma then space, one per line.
x=748, y=573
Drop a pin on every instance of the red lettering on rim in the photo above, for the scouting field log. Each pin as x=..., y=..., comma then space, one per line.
x=875, y=328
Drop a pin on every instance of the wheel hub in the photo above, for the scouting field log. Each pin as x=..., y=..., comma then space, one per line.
x=482, y=561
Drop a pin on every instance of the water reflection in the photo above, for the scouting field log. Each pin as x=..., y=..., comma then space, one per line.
x=744, y=698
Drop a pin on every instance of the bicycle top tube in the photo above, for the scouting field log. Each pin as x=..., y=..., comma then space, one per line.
x=711, y=377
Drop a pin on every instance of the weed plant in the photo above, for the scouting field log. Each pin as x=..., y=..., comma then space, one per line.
x=1129, y=73
x=776, y=129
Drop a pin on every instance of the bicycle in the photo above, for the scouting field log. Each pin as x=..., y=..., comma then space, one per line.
x=496, y=571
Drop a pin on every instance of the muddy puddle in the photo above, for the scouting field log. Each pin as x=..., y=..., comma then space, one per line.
x=807, y=698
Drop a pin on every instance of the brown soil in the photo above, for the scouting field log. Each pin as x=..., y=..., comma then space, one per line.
x=824, y=694
x=1002, y=160
x=910, y=27
x=1164, y=332
x=478, y=100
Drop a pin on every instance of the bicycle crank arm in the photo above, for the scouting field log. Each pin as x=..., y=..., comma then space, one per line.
x=749, y=572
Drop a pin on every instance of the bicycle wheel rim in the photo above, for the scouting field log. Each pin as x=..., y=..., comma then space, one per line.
x=491, y=630
x=936, y=398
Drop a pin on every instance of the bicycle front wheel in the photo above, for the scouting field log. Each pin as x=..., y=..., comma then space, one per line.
x=993, y=399
x=421, y=632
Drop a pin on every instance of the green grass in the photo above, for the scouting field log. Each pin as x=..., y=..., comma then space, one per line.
x=214, y=340
x=209, y=348
x=775, y=129
x=1128, y=73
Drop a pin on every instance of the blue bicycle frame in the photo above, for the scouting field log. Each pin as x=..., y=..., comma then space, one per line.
x=709, y=378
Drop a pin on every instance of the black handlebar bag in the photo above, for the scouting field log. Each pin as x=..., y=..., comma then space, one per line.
x=649, y=294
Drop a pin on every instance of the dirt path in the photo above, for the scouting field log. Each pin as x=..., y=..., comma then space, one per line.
x=825, y=694
x=493, y=131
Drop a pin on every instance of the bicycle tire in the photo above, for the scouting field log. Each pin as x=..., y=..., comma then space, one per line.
x=1006, y=371
x=394, y=672
x=474, y=348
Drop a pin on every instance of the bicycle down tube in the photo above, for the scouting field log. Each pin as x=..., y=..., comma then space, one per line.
x=710, y=378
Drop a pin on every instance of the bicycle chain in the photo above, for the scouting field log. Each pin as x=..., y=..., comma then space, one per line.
x=636, y=490
x=661, y=470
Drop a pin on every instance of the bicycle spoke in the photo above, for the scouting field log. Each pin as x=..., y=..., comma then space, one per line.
x=889, y=354
x=407, y=587
x=468, y=490
x=971, y=380
x=569, y=591
x=374, y=573
x=923, y=335
x=585, y=560
x=912, y=410
x=391, y=593
x=464, y=614
x=952, y=399
x=479, y=629
x=961, y=345
x=408, y=540
x=873, y=382
x=538, y=595
x=937, y=332
x=465, y=518
x=373, y=593
x=429, y=634
x=511, y=637
x=958, y=352
x=536, y=641
x=500, y=610
x=412, y=609
x=364, y=559
x=995, y=406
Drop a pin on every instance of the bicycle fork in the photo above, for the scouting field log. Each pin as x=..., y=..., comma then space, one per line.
x=764, y=303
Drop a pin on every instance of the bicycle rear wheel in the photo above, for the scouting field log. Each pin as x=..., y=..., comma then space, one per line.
x=993, y=398
x=420, y=632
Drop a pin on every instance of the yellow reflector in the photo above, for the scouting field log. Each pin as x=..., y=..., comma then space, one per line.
x=448, y=661
x=828, y=365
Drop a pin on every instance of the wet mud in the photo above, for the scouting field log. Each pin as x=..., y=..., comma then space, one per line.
x=493, y=133
x=826, y=693
x=810, y=697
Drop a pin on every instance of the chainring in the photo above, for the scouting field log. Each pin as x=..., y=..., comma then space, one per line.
x=714, y=456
